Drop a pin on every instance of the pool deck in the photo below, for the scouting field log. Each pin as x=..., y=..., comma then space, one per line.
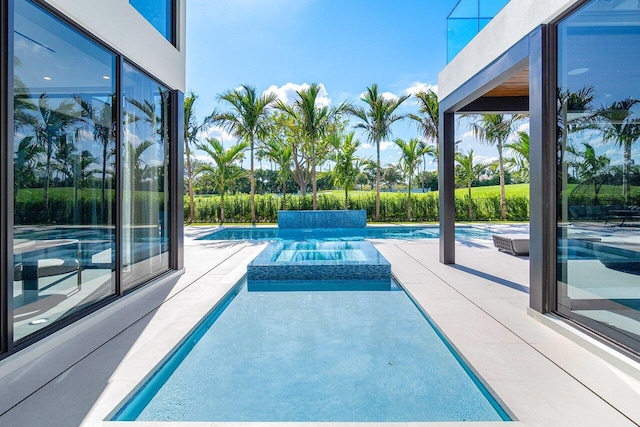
x=536, y=366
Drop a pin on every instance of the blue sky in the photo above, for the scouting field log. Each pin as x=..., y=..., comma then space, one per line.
x=345, y=45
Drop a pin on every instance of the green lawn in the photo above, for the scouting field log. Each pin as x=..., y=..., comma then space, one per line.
x=511, y=190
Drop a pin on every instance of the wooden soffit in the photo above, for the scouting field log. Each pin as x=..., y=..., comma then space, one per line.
x=517, y=85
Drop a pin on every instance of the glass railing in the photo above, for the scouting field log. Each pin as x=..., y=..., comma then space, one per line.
x=466, y=20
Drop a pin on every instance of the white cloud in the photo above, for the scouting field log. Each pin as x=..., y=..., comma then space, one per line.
x=385, y=145
x=388, y=96
x=287, y=93
x=384, y=95
x=485, y=160
x=218, y=133
x=417, y=87
x=467, y=136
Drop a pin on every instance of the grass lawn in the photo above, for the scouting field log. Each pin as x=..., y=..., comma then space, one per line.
x=511, y=190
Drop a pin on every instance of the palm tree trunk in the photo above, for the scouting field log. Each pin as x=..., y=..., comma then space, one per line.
x=221, y=206
x=346, y=198
x=253, y=189
x=103, y=210
x=470, y=204
x=378, y=181
x=503, y=198
x=409, y=201
x=284, y=195
x=625, y=172
x=314, y=189
x=190, y=182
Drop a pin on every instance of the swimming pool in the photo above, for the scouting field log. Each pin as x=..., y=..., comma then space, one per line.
x=314, y=356
x=398, y=232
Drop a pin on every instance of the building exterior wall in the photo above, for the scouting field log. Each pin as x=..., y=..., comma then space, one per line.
x=515, y=21
x=120, y=26
x=91, y=160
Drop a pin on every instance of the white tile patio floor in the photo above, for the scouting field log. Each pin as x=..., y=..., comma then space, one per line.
x=480, y=304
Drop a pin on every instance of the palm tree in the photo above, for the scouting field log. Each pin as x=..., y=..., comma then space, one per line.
x=134, y=160
x=225, y=172
x=519, y=163
x=192, y=128
x=621, y=127
x=376, y=122
x=280, y=153
x=466, y=173
x=428, y=122
x=410, y=157
x=246, y=119
x=102, y=123
x=495, y=129
x=347, y=164
x=315, y=122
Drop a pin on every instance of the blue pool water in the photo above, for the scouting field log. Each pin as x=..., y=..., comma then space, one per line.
x=306, y=265
x=400, y=232
x=314, y=356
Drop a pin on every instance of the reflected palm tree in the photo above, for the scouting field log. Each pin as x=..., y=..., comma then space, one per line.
x=622, y=127
x=102, y=123
x=135, y=162
x=52, y=132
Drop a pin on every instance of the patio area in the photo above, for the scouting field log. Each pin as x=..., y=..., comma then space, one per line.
x=542, y=371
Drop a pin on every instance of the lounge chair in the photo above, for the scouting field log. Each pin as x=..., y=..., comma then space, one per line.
x=515, y=244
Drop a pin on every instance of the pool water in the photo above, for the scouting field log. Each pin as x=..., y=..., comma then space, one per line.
x=320, y=251
x=350, y=356
x=399, y=232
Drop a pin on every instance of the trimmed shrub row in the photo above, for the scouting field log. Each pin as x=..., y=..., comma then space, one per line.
x=393, y=207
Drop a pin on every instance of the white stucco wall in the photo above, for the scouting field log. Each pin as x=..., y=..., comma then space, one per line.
x=516, y=20
x=120, y=26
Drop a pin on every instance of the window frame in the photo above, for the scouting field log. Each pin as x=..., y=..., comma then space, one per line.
x=7, y=345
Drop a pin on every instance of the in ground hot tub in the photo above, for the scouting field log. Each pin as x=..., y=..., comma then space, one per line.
x=309, y=265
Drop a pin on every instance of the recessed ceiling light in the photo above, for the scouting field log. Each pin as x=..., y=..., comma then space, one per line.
x=39, y=321
x=47, y=78
x=106, y=77
x=577, y=71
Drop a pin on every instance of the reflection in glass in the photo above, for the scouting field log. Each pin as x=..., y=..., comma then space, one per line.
x=598, y=170
x=158, y=13
x=145, y=156
x=64, y=171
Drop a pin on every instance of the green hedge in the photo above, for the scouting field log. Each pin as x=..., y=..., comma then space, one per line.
x=393, y=207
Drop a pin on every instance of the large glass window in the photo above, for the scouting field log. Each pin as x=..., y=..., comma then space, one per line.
x=598, y=265
x=64, y=169
x=145, y=156
x=159, y=13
